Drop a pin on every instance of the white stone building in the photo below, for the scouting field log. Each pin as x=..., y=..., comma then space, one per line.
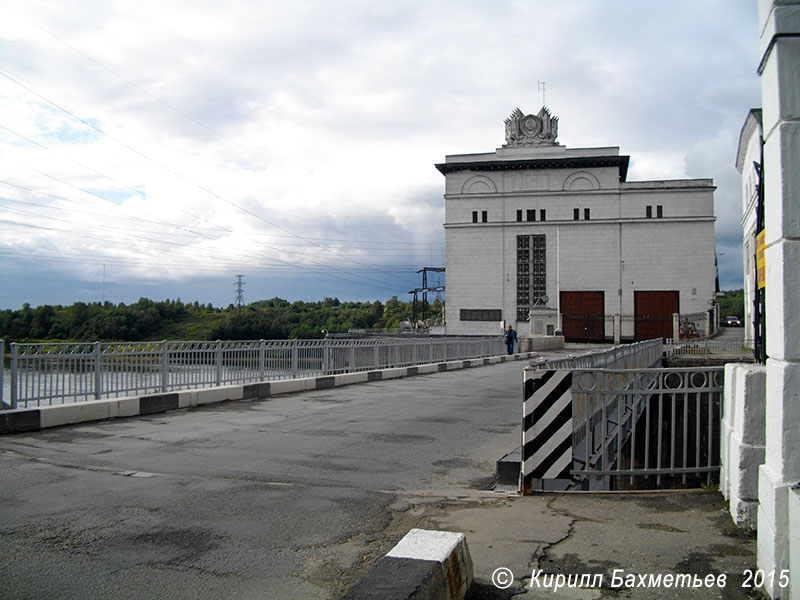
x=535, y=223
x=749, y=159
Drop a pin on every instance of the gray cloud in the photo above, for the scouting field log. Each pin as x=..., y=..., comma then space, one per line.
x=331, y=117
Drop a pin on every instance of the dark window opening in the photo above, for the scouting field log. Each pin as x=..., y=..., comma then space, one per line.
x=586, y=213
x=474, y=216
x=530, y=215
x=659, y=211
x=649, y=212
x=519, y=215
x=542, y=214
x=576, y=214
x=484, y=216
x=531, y=273
x=481, y=314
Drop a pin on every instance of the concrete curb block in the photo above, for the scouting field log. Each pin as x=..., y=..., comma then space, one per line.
x=33, y=419
x=425, y=564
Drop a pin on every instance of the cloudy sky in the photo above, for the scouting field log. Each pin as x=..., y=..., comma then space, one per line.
x=159, y=148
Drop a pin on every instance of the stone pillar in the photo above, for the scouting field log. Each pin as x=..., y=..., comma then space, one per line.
x=779, y=26
x=617, y=329
x=676, y=327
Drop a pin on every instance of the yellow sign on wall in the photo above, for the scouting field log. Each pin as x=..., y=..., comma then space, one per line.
x=760, y=273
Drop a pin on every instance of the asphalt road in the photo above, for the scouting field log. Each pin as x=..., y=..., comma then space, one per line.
x=291, y=497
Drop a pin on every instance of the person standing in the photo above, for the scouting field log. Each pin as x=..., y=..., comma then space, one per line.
x=511, y=339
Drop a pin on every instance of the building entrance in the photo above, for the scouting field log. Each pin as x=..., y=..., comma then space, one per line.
x=653, y=312
x=582, y=316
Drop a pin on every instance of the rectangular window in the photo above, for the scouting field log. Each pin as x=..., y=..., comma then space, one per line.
x=531, y=273
x=481, y=314
x=659, y=211
x=519, y=215
x=576, y=214
x=530, y=215
x=586, y=213
x=474, y=216
x=542, y=214
x=484, y=216
x=649, y=212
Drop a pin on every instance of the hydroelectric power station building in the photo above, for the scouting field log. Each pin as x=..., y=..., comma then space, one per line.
x=535, y=226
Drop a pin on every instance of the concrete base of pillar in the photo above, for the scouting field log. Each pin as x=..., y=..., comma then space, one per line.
x=794, y=542
x=744, y=461
x=773, y=529
x=537, y=344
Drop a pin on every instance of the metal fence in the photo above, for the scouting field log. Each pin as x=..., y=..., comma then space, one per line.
x=639, y=423
x=55, y=373
x=710, y=349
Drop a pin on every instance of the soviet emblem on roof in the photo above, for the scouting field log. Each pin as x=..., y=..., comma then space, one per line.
x=531, y=130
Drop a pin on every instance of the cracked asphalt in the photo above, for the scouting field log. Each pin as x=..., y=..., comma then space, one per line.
x=297, y=496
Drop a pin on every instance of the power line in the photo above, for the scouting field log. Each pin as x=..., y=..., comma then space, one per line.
x=186, y=179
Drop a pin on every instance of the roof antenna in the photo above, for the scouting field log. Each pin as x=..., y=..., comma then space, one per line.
x=541, y=89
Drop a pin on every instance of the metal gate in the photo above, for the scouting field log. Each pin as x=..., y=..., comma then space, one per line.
x=583, y=316
x=653, y=312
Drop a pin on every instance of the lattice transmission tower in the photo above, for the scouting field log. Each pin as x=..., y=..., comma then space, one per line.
x=239, y=291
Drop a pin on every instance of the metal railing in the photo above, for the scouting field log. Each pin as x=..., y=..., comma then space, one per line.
x=636, y=355
x=55, y=373
x=711, y=349
x=646, y=423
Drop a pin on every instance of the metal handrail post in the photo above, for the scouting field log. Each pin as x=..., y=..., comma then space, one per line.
x=164, y=366
x=14, y=361
x=262, y=359
x=98, y=376
x=294, y=358
x=3, y=369
x=218, y=362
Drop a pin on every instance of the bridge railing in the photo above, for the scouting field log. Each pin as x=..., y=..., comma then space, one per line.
x=628, y=356
x=678, y=412
x=55, y=373
x=715, y=349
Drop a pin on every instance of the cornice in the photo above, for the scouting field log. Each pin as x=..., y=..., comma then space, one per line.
x=577, y=162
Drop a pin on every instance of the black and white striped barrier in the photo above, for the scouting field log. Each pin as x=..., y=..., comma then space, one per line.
x=430, y=565
x=546, y=430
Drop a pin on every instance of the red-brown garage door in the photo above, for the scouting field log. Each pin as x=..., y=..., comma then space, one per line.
x=653, y=313
x=582, y=316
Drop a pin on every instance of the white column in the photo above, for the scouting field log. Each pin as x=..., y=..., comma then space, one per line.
x=779, y=22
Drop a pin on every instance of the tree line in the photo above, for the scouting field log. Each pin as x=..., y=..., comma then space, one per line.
x=145, y=320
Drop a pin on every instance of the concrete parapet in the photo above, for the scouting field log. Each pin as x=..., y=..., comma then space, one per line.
x=743, y=440
x=430, y=565
x=219, y=394
x=794, y=542
x=538, y=344
x=773, y=527
x=351, y=378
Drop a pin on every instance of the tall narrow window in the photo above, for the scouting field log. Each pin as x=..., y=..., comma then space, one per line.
x=542, y=214
x=659, y=211
x=576, y=214
x=530, y=215
x=586, y=214
x=484, y=216
x=474, y=216
x=531, y=273
x=649, y=211
x=519, y=215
